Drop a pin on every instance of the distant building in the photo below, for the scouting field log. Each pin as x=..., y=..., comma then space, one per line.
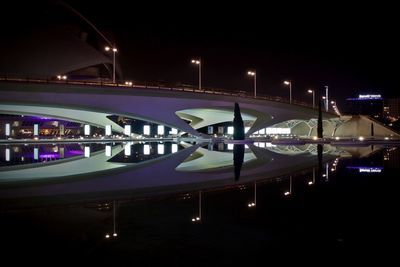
x=392, y=108
x=371, y=105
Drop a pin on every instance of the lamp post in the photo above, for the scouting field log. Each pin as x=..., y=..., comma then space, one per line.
x=198, y=62
x=290, y=90
x=114, y=50
x=254, y=74
x=313, y=97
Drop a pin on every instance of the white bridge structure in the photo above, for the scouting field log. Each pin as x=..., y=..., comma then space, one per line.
x=182, y=108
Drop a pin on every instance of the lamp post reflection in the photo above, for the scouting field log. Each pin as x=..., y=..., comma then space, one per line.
x=254, y=203
x=198, y=218
x=326, y=172
x=238, y=156
x=313, y=177
x=288, y=193
x=107, y=236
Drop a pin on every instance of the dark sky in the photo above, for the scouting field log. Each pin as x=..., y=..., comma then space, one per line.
x=353, y=49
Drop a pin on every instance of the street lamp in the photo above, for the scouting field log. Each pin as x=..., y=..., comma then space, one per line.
x=313, y=97
x=335, y=107
x=114, y=50
x=198, y=62
x=254, y=74
x=290, y=90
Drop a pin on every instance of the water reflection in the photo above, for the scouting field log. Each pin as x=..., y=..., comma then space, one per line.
x=197, y=218
x=252, y=216
x=114, y=234
x=238, y=156
x=153, y=168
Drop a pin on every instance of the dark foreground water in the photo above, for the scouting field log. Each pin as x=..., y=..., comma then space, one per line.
x=334, y=212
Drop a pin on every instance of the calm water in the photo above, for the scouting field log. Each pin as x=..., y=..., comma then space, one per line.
x=194, y=204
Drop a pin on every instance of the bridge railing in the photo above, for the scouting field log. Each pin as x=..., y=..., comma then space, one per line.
x=160, y=86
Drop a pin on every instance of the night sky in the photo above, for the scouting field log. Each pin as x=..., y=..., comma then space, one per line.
x=353, y=49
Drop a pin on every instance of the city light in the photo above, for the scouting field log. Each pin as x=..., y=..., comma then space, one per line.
x=114, y=50
x=290, y=90
x=254, y=74
x=198, y=62
x=313, y=97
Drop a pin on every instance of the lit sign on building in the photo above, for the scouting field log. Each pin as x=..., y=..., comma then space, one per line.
x=369, y=97
x=367, y=169
x=370, y=170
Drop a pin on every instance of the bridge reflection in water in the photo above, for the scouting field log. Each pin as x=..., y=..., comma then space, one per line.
x=138, y=169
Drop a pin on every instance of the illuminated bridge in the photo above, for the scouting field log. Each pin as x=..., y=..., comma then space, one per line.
x=180, y=109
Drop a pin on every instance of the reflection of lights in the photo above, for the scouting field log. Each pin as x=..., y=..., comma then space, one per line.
x=310, y=182
x=174, y=148
x=198, y=218
x=107, y=236
x=146, y=149
x=251, y=204
x=127, y=149
x=115, y=234
x=369, y=170
x=287, y=193
x=160, y=149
